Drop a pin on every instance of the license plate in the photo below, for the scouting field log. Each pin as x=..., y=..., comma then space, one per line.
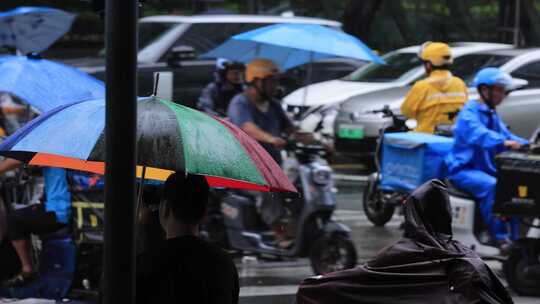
x=351, y=132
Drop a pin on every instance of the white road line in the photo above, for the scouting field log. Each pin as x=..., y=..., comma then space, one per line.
x=299, y=271
x=255, y=291
x=355, y=178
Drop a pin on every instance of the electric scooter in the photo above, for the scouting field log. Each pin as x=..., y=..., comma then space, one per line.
x=235, y=223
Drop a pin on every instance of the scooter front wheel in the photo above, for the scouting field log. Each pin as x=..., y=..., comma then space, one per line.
x=331, y=253
x=519, y=266
x=377, y=210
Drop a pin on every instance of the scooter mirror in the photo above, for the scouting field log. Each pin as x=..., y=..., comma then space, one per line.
x=411, y=123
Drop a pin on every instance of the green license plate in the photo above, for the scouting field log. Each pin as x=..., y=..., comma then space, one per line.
x=351, y=132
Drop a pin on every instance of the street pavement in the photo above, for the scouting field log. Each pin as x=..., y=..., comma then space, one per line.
x=277, y=282
x=274, y=282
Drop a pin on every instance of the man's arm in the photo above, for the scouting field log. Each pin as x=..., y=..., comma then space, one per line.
x=412, y=101
x=476, y=133
x=206, y=100
x=241, y=116
x=9, y=164
x=258, y=134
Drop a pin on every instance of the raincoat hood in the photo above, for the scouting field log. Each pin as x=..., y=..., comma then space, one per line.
x=440, y=79
x=428, y=216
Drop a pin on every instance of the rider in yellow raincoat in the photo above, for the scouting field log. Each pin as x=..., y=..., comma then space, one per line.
x=436, y=99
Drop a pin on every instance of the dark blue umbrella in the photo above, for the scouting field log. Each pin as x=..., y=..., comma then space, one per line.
x=45, y=84
x=292, y=44
x=33, y=29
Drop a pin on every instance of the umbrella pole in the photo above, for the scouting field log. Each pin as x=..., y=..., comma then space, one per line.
x=141, y=186
x=120, y=155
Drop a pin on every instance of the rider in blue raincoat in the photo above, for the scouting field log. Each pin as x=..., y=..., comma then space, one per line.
x=479, y=135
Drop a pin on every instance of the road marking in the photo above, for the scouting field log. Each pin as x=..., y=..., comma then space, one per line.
x=355, y=178
x=256, y=291
x=348, y=166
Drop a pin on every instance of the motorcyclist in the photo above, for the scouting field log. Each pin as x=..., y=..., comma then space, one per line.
x=436, y=99
x=216, y=96
x=479, y=135
x=260, y=115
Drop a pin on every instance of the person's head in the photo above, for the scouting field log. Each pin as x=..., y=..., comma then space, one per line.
x=230, y=71
x=263, y=76
x=436, y=56
x=493, y=85
x=185, y=198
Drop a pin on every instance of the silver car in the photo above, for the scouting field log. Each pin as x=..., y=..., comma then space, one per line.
x=357, y=128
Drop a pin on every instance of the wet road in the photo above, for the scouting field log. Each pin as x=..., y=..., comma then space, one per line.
x=276, y=282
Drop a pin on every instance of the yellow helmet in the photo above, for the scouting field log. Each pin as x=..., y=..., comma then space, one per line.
x=438, y=53
x=261, y=68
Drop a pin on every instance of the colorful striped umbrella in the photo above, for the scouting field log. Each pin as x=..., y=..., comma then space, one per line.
x=170, y=137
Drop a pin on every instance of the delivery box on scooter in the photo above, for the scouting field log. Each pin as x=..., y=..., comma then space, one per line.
x=410, y=158
x=518, y=182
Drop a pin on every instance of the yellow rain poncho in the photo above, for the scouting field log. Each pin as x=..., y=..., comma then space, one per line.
x=432, y=101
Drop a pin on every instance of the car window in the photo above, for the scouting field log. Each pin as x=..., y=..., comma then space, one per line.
x=529, y=72
x=149, y=32
x=401, y=66
x=152, y=31
x=466, y=66
x=205, y=36
x=396, y=68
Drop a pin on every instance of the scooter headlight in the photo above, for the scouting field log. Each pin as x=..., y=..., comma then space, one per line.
x=321, y=176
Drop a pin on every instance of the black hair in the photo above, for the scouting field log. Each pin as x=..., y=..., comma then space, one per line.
x=446, y=67
x=186, y=195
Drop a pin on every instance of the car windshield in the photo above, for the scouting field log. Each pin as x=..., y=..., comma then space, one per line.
x=149, y=32
x=399, y=66
x=465, y=67
x=152, y=31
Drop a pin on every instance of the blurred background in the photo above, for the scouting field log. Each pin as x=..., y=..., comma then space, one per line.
x=382, y=24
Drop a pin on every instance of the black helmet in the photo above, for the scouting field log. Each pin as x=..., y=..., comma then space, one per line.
x=223, y=65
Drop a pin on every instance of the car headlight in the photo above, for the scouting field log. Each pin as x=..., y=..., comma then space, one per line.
x=321, y=176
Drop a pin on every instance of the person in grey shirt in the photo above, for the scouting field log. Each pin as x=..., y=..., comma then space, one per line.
x=261, y=116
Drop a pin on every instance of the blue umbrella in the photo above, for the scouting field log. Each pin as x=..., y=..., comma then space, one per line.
x=33, y=29
x=292, y=44
x=45, y=84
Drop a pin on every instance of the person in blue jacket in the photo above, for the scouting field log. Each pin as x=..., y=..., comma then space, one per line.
x=479, y=135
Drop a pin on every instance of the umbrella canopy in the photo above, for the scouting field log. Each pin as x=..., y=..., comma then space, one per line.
x=170, y=137
x=46, y=84
x=290, y=45
x=33, y=29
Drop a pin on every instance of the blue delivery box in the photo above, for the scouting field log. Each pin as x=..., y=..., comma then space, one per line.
x=410, y=158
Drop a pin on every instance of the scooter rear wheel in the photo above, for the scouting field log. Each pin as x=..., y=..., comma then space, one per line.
x=331, y=253
x=514, y=269
x=376, y=209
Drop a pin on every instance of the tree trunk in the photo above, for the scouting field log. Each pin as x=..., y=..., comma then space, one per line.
x=358, y=16
x=530, y=22
x=396, y=10
x=459, y=12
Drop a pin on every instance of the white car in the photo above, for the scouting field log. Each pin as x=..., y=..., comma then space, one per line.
x=317, y=102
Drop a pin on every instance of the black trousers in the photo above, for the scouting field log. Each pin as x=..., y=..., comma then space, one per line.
x=31, y=220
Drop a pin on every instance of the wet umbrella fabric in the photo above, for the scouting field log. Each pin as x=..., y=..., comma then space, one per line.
x=170, y=137
x=33, y=29
x=290, y=45
x=425, y=266
x=46, y=84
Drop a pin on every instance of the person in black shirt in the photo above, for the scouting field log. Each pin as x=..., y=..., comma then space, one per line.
x=216, y=96
x=185, y=268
